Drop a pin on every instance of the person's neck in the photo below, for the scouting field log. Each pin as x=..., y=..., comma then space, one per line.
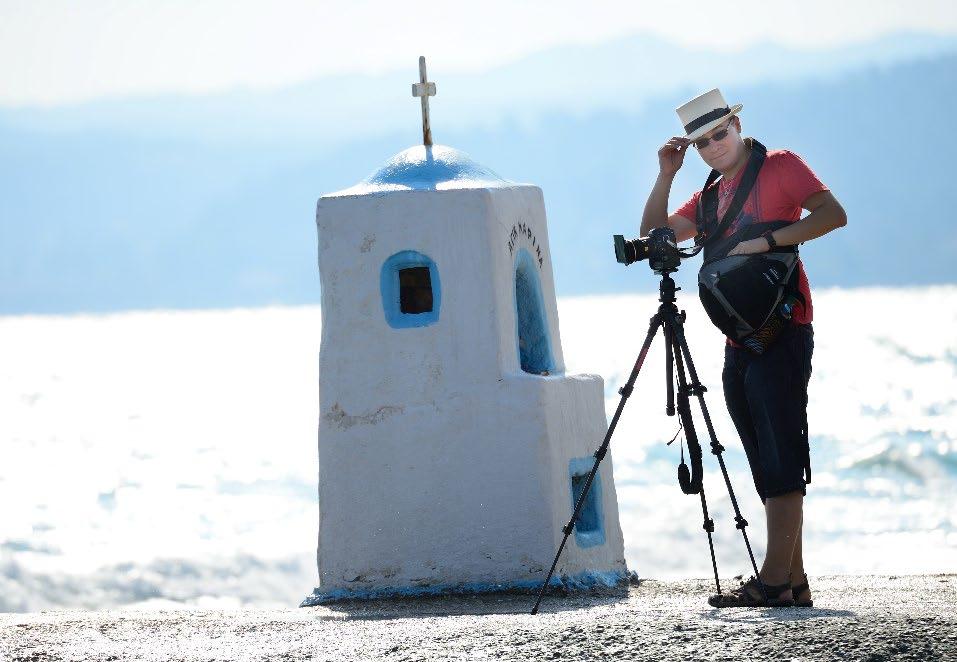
x=736, y=168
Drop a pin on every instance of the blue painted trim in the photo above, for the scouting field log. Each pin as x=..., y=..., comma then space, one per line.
x=580, y=582
x=389, y=287
x=424, y=168
x=593, y=509
x=537, y=358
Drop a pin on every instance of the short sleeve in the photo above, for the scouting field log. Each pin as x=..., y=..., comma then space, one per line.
x=798, y=182
x=689, y=209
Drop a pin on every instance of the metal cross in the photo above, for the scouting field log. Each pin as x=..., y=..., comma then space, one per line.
x=424, y=89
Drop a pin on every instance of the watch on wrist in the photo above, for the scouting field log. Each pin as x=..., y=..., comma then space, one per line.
x=769, y=235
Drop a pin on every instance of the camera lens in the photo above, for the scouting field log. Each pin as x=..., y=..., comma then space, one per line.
x=624, y=250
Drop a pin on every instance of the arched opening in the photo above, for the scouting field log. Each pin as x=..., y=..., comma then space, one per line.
x=534, y=344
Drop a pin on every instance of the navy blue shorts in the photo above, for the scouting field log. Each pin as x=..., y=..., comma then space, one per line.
x=767, y=399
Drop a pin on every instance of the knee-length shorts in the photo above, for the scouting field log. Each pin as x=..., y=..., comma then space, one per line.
x=767, y=399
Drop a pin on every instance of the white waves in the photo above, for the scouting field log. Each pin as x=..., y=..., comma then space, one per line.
x=170, y=456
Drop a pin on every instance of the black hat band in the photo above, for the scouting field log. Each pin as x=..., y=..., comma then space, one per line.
x=715, y=114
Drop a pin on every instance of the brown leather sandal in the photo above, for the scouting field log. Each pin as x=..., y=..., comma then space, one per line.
x=796, y=592
x=742, y=597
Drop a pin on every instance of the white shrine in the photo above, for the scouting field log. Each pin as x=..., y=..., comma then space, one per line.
x=452, y=445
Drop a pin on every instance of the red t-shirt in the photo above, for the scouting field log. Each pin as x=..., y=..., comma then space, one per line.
x=784, y=183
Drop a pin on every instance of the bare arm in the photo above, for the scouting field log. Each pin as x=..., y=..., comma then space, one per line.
x=826, y=214
x=656, y=209
x=670, y=158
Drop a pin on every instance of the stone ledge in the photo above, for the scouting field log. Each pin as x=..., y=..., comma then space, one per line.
x=872, y=618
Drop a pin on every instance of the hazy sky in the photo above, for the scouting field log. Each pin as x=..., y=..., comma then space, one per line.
x=63, y=51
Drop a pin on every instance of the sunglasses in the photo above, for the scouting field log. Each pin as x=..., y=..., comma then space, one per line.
x=717, y=136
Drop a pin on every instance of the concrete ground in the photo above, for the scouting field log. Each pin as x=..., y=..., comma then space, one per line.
x=855, y=618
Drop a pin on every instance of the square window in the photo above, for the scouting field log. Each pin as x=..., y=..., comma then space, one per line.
x=411, y=290
x=415, y=290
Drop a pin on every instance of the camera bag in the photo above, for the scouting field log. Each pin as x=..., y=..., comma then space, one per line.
x=748, y=297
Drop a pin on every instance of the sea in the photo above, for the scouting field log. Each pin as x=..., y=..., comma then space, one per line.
x=168, y=458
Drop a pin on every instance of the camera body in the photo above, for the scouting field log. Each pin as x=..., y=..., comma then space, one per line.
x=660, y=248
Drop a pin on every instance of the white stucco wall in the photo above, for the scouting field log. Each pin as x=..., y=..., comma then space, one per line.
x=440, y=461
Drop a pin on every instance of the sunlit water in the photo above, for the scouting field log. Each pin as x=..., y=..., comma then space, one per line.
x=170, y=457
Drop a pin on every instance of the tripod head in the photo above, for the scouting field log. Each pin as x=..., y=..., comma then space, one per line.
x=667, y=289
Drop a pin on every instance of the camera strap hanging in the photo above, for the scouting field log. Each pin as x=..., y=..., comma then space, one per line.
x=707, y=208
x=706, y=212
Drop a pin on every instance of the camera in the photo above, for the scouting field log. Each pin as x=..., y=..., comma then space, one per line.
x=660, y=248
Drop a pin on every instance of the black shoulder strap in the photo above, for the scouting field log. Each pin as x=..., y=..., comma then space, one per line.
x=707, y=209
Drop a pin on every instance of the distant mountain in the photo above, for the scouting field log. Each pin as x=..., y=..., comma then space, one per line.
x=116, y=206
x=618, y=75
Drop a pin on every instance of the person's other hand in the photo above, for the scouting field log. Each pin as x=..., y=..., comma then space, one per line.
x=672, y=155
x=750, y=247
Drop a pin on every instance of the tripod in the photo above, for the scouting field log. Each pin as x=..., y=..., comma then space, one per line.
x=677, y=354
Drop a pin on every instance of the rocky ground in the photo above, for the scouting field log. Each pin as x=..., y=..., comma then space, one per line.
x=855, y=618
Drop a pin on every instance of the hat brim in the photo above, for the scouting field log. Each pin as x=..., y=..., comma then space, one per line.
x=700, y=131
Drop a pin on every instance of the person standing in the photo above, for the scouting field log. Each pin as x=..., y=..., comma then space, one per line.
x=766, y=394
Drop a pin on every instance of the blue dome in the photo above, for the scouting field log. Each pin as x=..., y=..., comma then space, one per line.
x=421, y=168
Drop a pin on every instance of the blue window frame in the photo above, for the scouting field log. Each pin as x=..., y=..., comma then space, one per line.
x=411, y=291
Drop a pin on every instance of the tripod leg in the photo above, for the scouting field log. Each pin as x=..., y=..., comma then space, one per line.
x=669, y=373
x=684, y=408
x=625, y=392
x=709, y=527
x=716, y=448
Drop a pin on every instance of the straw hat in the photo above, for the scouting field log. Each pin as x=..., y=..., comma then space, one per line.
x=705, y=112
